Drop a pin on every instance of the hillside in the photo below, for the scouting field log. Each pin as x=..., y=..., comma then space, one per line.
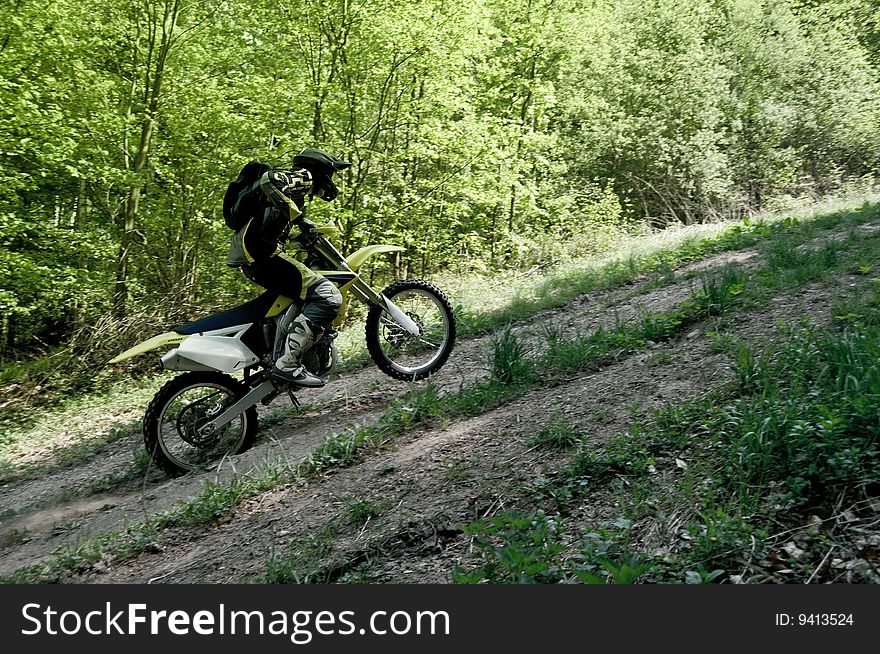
x=609, y=439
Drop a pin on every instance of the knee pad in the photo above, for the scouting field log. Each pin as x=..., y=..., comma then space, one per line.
x=329, y=295
x=323, y=302
x=336, y=297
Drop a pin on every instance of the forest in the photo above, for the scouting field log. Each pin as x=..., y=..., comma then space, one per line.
x=481, y=132
x=652, y=229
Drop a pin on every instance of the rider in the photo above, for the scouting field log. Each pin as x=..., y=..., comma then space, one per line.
x=258, y=248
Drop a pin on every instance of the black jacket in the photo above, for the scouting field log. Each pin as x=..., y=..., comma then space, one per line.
x=263, y=236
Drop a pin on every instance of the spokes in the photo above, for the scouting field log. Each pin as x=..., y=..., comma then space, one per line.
x=180, y=426
x=409, y=352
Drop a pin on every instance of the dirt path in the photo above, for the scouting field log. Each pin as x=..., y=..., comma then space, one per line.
x=54, y=511
x=58, y=511
x=439, y=479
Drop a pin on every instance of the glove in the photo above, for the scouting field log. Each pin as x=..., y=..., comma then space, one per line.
x=308, y=232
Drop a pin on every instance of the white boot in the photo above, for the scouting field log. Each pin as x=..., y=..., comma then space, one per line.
x=300, y=338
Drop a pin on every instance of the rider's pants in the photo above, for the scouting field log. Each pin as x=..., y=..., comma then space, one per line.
x=319, y=298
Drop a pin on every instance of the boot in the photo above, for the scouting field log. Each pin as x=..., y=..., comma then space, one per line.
x=302, y=335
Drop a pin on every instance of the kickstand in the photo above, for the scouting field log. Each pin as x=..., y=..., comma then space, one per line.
x=293, y=399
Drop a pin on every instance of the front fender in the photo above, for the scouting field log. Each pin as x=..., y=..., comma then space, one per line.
x=162, y=340
x=356, y=259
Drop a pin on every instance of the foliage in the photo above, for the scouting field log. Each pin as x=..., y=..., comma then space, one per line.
x=558, y=435
x=797, y=439
x=518, y=548
x=509, y=361
x=483, y=134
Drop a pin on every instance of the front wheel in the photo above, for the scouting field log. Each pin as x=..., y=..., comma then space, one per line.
x=398, y=353
x=181, y=407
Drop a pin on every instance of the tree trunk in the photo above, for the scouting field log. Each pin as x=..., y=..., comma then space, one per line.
x=79, y=216
x=152, y=94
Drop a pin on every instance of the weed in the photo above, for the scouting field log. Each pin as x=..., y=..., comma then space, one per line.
x=364, y=573
x=718, y=539
x=15, y=537
x=657, y=359
x=805, y=426
x=340, y=450
x=859, y=311
x=361, y=510
x=719, y=291
x=703, y=576
x=557, y=343
x=559, y=434
x=603, y=416
x=481, y=396
x=626, y=569
x=277, y=416
x=303, y=563
x=720, y=343
x=801, y=438
x=510, y=364
x=515, y=548
x=528, y=548
x=458, y=470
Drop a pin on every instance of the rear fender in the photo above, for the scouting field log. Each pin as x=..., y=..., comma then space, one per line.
x=219, y=349
x=162, y=340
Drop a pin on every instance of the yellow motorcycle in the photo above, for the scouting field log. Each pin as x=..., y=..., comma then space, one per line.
x=205, y=414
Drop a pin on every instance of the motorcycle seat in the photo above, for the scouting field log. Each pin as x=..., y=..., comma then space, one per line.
x=248, y=312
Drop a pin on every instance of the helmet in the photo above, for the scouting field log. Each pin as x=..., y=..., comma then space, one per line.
x=322, y=166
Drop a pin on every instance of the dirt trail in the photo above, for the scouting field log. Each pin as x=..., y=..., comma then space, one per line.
x=57, y=511
x=438, y=479
x=49, y=513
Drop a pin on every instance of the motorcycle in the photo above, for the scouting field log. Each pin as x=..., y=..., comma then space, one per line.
x=205, y=414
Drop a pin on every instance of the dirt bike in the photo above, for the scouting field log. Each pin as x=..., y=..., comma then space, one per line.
x=204, y=415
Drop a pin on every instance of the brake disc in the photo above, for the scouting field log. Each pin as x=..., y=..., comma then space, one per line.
x=194, y=416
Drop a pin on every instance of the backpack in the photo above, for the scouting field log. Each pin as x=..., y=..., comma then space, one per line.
x=244, y=199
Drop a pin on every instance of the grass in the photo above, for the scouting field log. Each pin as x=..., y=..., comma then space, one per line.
x=510, y=364
x=799, y=438
x=482, y=304
x=458, y=471
x=53, y=438
x=558, y=435
x=528, y=548
x=359, y=511
x=515, y=548
x=218, y=500
x=746, y=486
x=417, y=407
x=485, y=304
x=514, y=373
x=301, y=564
x=213, y=502
x=72, y=442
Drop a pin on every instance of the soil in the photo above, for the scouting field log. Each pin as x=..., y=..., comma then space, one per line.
x=417, y=495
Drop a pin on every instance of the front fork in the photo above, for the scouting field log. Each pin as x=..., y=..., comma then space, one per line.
x=362, y=290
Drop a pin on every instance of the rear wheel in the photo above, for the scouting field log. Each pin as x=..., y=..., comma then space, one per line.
x=398, y=353
x=181, y=407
